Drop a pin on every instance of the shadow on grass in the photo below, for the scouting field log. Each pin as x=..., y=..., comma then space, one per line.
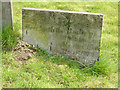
x=103, y=67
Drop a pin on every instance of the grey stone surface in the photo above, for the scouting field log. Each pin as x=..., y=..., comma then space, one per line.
x=75, y=35
x=0, y=33
x=6, y=14
x=0, y=15
x=0, y=45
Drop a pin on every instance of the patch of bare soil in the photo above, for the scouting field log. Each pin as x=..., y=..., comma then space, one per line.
x=22, y=52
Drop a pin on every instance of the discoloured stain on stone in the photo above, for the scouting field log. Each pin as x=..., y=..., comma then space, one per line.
x=76, y=35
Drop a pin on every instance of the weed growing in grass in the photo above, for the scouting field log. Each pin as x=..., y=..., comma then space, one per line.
x=9, y=38
x=103, y=67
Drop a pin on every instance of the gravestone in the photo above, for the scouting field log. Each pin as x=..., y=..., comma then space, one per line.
x=0, y=15
x=0, y=45
x=75, y=35
x=6, y=14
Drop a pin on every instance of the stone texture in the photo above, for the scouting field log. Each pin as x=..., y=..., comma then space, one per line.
x=6, y=14
x=75, y=35
x=0, y=17
x=0, y=32
x=0, y=45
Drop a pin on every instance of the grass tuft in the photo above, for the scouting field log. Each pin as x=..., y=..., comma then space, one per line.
x=9, y=38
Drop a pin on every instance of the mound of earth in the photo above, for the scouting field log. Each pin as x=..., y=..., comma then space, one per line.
x=23, y=52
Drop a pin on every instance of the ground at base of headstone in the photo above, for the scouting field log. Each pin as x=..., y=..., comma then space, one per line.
x=56, y=71
x=22, y=52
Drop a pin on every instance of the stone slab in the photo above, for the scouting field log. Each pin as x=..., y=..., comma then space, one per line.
x=75, y=35
x=0, y=15
x=6, y=14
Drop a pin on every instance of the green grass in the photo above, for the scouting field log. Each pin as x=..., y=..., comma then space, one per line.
x=9, y=38
x=45, y=71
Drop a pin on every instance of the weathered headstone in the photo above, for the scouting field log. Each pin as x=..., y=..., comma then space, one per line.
x=0, y=45
x=0, y=16
x=76, y=35
x=6, y=14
